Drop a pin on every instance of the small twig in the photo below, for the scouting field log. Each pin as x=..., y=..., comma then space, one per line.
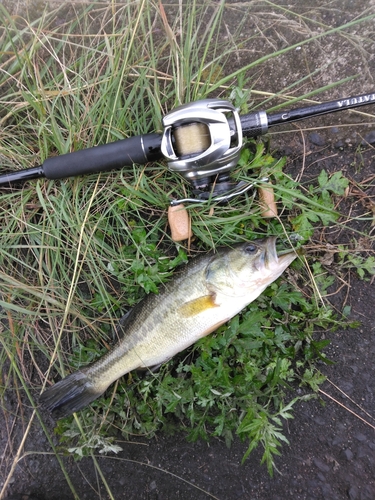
x=299, y=176
x=346, y=408
x=161, y=470
x=352, y=400
x=17, y=457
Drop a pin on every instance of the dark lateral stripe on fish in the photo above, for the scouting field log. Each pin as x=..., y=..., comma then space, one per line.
x=69, y=395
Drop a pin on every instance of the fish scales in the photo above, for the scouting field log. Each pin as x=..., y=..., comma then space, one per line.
x=154, y=330
x=202, y=295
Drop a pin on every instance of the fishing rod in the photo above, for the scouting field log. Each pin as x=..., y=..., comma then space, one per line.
x=201, y=141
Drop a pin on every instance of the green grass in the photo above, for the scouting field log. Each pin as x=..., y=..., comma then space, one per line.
x=76, y=254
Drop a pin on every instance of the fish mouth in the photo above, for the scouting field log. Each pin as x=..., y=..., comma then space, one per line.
x=275, y=255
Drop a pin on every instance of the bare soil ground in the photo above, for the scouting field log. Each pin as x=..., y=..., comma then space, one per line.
x=331, y=454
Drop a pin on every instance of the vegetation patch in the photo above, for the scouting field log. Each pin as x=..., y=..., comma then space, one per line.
x=76, y=254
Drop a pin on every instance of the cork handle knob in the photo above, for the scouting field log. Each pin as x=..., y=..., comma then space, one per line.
x=179, y=222
x=267, y=201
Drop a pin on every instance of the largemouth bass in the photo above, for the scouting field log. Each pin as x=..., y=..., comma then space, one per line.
x=206, y=293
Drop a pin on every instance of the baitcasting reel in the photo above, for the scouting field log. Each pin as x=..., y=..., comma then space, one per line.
x=202, y=141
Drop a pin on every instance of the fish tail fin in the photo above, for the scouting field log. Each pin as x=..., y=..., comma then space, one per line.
x=69, y=395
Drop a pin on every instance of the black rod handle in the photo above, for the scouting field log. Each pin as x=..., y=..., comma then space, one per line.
x=139, y=149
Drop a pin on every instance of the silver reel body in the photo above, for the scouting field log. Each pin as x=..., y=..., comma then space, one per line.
x=202, y=141
x=218, y=146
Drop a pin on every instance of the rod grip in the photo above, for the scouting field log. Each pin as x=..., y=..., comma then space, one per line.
x=139, y=149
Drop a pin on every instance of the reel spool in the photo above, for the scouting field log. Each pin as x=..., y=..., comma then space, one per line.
x=202, y=141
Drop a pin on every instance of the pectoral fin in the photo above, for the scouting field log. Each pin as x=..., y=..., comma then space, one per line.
x=196, y=306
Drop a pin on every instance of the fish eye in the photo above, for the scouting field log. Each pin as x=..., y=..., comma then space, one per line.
x=250, y=249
